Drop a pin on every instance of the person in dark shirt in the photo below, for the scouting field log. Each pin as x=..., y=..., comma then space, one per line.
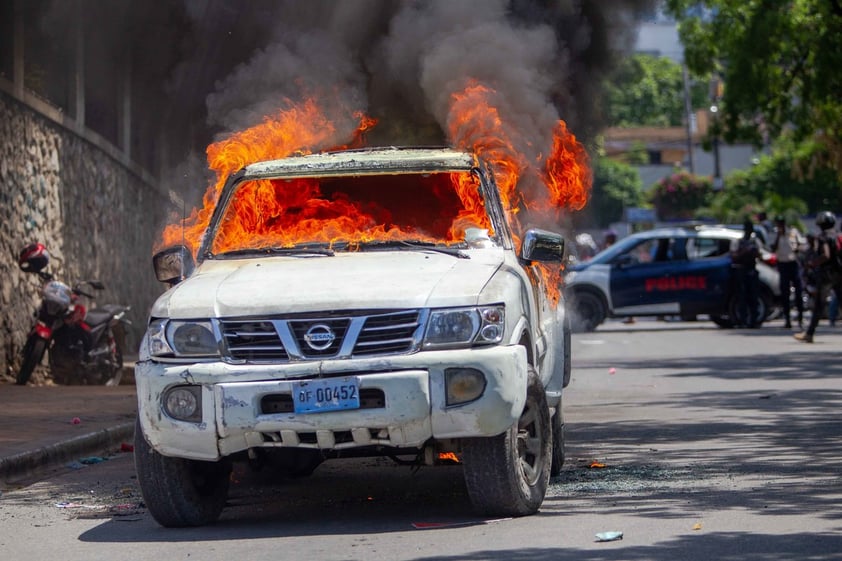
x=744, y=264
x=787, y=244
x=825, y=270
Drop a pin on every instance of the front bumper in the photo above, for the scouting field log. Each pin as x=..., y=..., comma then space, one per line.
x=413, y=407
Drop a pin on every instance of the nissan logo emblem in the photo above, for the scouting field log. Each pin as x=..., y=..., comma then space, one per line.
x=319, y=337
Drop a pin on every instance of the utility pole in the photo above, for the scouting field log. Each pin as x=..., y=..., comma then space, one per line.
x=714, y=111
x=688, y=118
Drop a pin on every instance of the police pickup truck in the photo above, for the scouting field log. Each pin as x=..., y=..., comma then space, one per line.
x=684, y=272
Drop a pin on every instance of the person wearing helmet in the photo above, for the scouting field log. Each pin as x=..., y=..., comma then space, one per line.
x=609, y=239
x=827, y=269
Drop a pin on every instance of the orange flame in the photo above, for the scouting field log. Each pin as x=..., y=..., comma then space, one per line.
x=475, y=124
x=300, y=129
x=449, y=457
x=266, y=212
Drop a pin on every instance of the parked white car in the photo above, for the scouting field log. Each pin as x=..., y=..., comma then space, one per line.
x=290, y=354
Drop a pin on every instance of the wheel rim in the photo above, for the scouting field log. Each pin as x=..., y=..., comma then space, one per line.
x=530, y=447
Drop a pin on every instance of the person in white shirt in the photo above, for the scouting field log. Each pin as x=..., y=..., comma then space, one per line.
x=786, y=244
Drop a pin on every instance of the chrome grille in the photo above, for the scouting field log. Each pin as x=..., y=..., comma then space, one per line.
x=337, y=335
x=252, y=340
x=388, y=333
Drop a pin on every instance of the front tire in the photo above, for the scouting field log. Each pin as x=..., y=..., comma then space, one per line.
x=508, y=474
x=587, y=311
x=558, y=442
x=33, y=353
x=180, y=492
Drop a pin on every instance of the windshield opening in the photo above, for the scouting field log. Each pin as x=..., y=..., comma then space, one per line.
x=343, y=212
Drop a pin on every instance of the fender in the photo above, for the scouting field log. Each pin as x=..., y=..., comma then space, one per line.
x=43, y=331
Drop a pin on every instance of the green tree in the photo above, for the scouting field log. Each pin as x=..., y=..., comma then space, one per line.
x=615, y=186
x=646, y=90
x=780, y=63
x=816, y=187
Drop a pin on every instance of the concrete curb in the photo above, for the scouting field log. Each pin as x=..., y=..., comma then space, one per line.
x=57, y=454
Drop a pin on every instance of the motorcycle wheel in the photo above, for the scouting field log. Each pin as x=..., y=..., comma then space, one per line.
x=33, y=352
x=65, y=366
x=113, y=371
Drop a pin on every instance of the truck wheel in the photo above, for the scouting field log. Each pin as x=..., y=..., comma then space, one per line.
x=33, y=352
x=587, y=311
x=558, y=442
x=180, y=492
x=508, y=474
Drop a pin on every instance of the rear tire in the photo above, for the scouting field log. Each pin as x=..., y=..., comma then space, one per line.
x=33, y=353
x=762, y=312
x=180, y=492
x=508, y=474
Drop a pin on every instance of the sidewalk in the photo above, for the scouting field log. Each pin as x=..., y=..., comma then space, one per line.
x=48, y=426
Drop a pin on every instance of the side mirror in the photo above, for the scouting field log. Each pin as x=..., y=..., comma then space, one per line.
x=541, y=245
x=173, y=264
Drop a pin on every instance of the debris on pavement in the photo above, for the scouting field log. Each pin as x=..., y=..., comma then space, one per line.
x=609, y=536
x=433, y=525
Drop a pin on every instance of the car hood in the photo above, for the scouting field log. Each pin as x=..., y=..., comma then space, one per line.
x=370, y=280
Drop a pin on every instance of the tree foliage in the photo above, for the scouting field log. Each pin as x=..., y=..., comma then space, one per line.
x=780, y=62
x=646, y=90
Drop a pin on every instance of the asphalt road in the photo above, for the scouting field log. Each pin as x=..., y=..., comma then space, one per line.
x=696, y=443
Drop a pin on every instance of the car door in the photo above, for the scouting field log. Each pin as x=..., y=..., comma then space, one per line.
x=642, y=278
x=709, y=263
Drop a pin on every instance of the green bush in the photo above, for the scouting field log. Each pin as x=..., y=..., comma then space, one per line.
x=678, y=196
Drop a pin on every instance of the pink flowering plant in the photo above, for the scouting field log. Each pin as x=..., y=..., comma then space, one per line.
x=679, y=195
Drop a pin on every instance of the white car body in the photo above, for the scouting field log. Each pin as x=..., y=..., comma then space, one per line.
x=272, y=316
x=413, y=383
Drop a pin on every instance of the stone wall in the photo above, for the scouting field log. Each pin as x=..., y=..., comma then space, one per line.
x=98, y=219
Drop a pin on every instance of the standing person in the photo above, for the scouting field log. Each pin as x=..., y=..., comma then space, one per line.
x=744, y=263
x=827, y=273
x=786, y=245
x=609, y=239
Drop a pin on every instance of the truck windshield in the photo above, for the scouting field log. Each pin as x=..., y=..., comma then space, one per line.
x=349, y=212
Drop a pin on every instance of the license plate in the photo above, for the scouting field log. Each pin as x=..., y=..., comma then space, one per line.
x=335, y=394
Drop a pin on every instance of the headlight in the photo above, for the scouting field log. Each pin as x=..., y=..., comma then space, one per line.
x=178, y=339
x=463, y=327
x=184, y=403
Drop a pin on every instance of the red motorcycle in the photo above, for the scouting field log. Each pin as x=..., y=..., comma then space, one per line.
x=82, y=343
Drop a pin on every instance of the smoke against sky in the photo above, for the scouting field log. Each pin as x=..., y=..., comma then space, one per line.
x=401, y=61
x=206, y=69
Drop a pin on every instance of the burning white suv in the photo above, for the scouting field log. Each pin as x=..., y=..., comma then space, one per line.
x=362, y=302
